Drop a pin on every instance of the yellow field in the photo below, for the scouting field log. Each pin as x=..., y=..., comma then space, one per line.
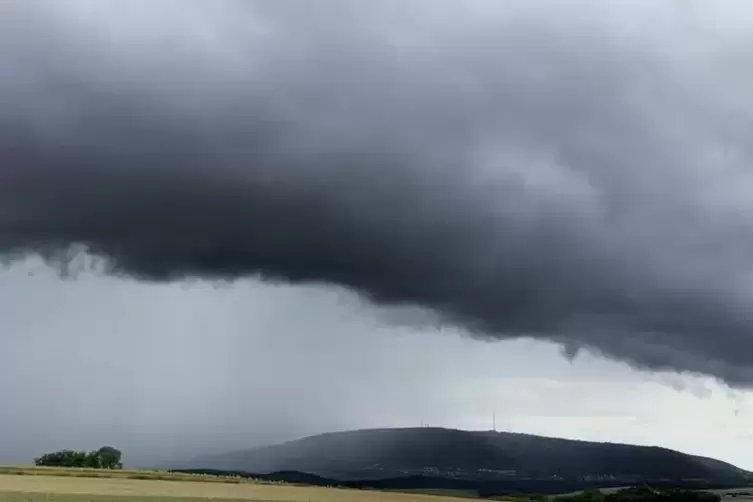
x=40, y=487
x=120, y=474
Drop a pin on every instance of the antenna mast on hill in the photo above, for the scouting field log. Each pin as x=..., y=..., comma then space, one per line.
x=494, y=421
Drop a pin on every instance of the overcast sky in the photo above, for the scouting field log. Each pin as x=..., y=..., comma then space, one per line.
x=167, y=371
x=543, y=179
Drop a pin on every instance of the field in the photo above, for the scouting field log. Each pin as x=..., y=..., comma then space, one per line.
x=737, y=495
x=59, y=485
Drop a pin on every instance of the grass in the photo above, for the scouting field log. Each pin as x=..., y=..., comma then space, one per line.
x=143, y=474
x=46, y=497
x=442, y=492
x=736, y=494
x=87, y=485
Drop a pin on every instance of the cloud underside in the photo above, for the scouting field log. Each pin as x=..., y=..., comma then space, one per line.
x=521, y=169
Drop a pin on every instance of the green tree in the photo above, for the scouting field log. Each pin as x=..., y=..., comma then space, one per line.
x=93, y=460
x=590, y=495
x=648, y=494
x=109, y=458
x=106, y=457
x=63, y=458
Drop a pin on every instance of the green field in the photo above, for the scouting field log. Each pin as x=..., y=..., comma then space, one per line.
x=737, y=495
x=82, y=485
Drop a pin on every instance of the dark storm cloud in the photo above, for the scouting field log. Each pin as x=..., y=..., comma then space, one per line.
x=522, y=169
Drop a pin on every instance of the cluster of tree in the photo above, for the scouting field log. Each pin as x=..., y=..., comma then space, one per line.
x=106, y=457
x=642, y=494
x=648, y=494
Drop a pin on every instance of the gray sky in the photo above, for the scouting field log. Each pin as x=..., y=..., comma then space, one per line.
x=575, y=174
x=167, y=371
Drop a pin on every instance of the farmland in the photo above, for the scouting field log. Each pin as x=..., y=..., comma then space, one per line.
x=57, y=485
x=49, y=484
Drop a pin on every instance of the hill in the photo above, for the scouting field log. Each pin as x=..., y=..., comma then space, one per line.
x=475, y=456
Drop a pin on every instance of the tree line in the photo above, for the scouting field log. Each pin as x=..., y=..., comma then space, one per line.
x=643, y=493
x=106, y=457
